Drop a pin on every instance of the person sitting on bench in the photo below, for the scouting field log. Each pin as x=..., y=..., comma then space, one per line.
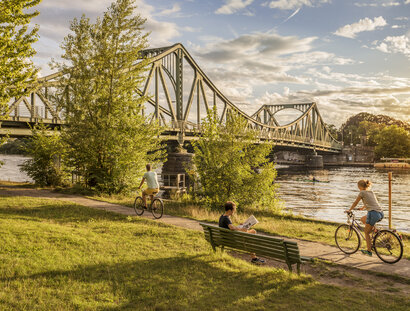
x=225, y=222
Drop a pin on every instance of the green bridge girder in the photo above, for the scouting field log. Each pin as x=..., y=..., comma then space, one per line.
x=179, y=110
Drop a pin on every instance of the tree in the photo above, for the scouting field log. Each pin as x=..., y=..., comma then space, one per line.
x=16, y=70
x=393, y=142
x=370, y=130
x=230, y=164
x=47, y=150
x=110, y=140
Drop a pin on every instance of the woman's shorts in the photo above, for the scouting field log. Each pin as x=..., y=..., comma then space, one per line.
x=151, y=191
x=373, y=217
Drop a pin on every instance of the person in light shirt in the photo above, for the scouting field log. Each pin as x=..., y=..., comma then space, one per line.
x=374, y=211
x=152, y=182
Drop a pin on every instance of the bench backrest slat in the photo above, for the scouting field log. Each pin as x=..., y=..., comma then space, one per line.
x=267, y=246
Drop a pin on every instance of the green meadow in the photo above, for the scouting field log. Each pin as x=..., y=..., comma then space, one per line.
x=56, y=255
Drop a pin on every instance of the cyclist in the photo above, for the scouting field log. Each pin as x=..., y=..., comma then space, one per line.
x=152, y=183
x=374, y=211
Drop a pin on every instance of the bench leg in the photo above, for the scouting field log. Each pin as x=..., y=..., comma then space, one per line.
x=289, y=266
x=298, y=268
x=222, y=248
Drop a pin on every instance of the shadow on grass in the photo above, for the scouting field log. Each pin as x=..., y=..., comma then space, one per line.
x=196, y=283
x=177, y=283
x=59, y=212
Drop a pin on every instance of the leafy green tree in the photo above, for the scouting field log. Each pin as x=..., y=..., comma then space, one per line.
x=47, y=150
x=110, y=140
x=370, y=130
x=231, y=166
x=16, y=71
x=393, y=142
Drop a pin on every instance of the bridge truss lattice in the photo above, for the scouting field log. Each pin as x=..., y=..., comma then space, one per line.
x=180, y=96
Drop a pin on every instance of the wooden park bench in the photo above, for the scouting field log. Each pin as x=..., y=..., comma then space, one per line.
x=262, y=245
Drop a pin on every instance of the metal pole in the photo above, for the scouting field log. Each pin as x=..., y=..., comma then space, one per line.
x=390, y=182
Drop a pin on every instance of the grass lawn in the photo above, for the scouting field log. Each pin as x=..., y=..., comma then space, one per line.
x=60, y=256
x=269, y=222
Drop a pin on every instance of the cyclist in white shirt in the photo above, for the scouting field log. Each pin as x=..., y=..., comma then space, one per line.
x=152, y=183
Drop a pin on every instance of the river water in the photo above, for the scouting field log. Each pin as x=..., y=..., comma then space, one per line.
x=10, y=170
x=321, y=200
x=327, y=200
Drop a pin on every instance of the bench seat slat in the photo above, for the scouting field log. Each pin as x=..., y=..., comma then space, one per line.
x=251, y=247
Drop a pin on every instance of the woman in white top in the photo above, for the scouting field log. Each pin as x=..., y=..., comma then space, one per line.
x=374, y=211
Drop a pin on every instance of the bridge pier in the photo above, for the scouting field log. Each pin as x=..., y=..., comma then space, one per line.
x=174, y=172
x=314, y=161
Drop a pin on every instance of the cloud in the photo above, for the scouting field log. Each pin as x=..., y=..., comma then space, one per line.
x=295, y=4
x=360, y=91
x=366, y=24
x=268, y=44
x=55, y=17
x=233, y=6
x=175, y=9
x=382, y=4
x=399, y=44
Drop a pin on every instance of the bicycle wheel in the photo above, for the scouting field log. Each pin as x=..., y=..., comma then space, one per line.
x=157, y=208
x=139, y=206
x=347, y=239
x=388, y=246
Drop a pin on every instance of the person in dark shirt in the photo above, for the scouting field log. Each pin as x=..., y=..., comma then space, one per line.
x=225, y=222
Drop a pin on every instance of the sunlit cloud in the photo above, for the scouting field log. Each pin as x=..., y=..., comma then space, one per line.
x=378, y=4
x=175, y=9
x=366, y=24
x=232, y=6
x=398, y=44
x=294, y=4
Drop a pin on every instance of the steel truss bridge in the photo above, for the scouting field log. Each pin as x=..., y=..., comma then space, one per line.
x=180, y=96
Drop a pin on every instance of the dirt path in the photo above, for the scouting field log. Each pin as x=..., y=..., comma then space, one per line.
x=312, y=249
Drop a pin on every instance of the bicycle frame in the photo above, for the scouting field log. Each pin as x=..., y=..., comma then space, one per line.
x=351, y=220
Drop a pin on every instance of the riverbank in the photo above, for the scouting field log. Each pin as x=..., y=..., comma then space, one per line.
x=58, y=255
x=304, y=230
x=279, y=224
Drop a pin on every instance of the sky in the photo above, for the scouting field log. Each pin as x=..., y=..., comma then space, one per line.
x=348, y=56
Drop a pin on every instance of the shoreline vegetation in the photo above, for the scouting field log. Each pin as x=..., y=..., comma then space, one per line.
x=58, y=255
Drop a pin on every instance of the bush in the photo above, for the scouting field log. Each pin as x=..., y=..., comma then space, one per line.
x=231, y=165
x=47, y=150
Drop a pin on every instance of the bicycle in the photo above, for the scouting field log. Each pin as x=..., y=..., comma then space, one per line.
x=386, y=243
x=156, y=207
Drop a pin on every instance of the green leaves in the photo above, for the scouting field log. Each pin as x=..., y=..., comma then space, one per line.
x=46, y=167
x=231, y=165
x=16, y=70
x=110, y=139
x=393, y=142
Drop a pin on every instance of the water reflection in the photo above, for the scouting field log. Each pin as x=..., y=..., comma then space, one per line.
x=10, y=171
x=338, y=189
